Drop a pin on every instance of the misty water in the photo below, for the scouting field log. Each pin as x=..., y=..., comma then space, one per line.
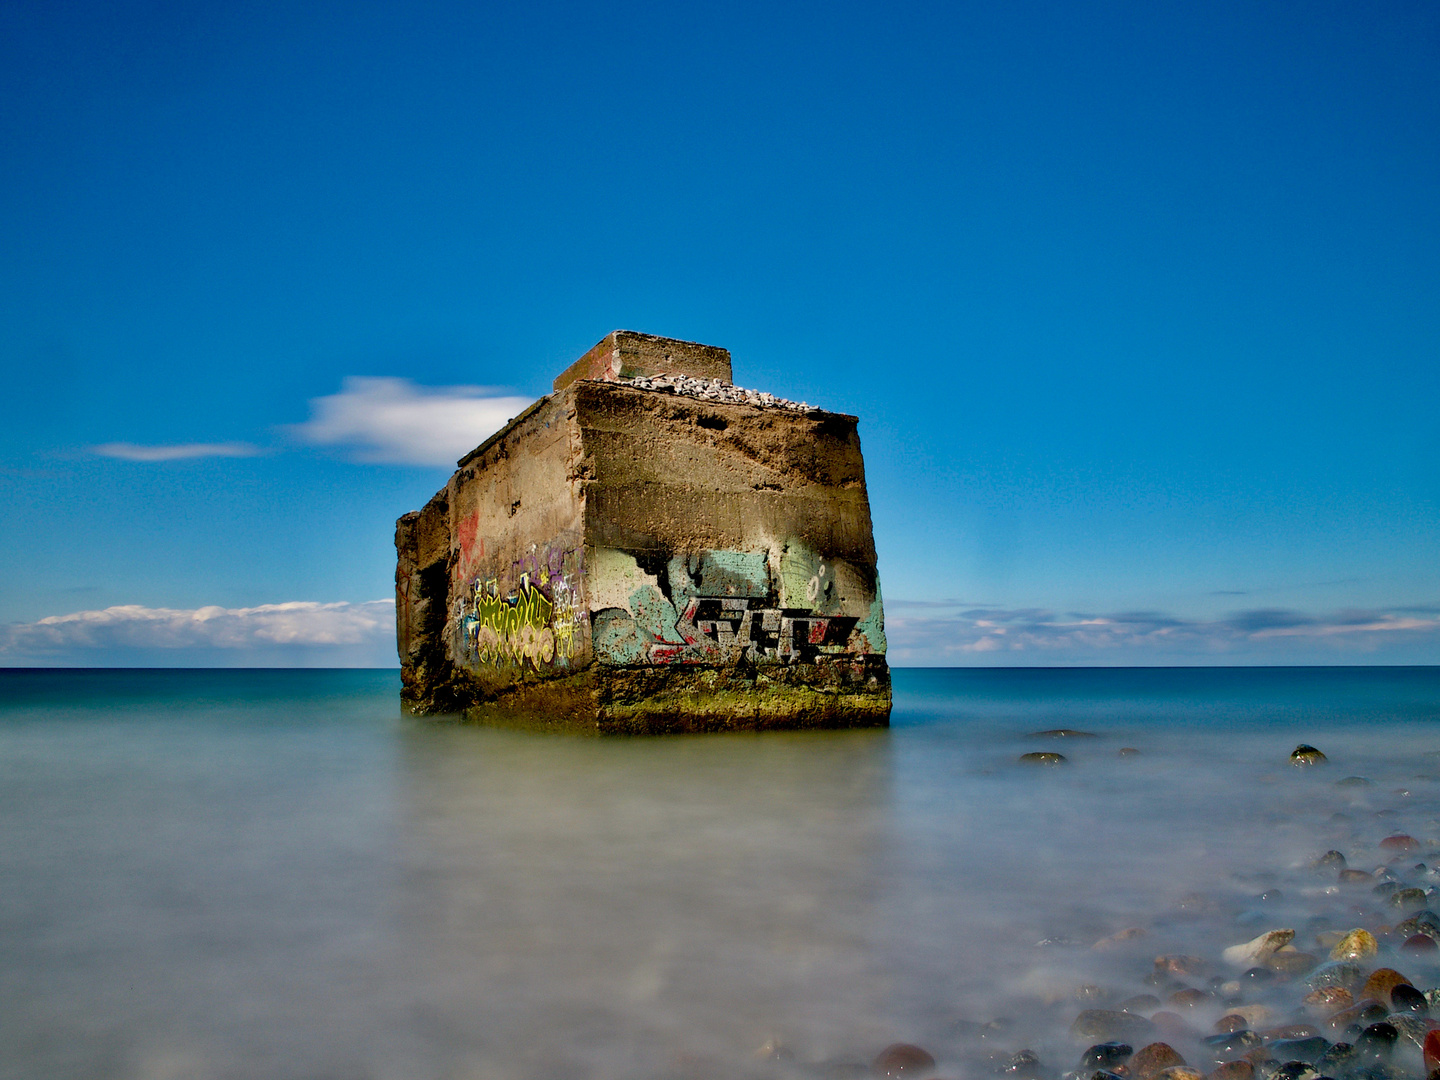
x=278, y=874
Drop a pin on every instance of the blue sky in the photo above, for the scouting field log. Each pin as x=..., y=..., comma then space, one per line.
x=1139, y=303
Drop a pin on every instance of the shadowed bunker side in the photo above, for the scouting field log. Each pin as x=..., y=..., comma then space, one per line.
x=649, y=549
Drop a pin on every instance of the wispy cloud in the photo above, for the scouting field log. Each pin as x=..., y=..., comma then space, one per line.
x=393, y=421
x=981, y=634
x=175, y=452
x=297, y=624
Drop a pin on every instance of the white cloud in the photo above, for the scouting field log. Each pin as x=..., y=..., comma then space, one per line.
x=297, y=624
x=176, y=452
x=393, y=421
x=991, y=635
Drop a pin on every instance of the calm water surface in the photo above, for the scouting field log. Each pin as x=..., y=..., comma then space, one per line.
x=276, y=874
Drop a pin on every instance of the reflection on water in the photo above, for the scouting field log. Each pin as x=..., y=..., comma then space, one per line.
x=277, y=875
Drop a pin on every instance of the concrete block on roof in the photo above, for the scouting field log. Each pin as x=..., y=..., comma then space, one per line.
x=625, y=354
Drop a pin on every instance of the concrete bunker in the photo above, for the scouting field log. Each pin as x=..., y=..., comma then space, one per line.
x=649, y=548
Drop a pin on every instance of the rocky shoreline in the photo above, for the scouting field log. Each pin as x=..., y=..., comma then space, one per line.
x=1345, y=992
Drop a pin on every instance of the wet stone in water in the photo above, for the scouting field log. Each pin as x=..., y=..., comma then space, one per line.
x=1291, y=965
x=1233, y=1070
x=1358, y=944
x=1025, y=1066
x=1231, y=1023
x=1149, y=1061
x=1331, y=860
x=1305, y=754
x=1420, y=943
x=1410, y=899
x=1377, y=1040
x=1140, y=1003
x=1043, y=758
x=1234, y=1043
x=1400, y=842
x=1307, y=1050
x=1381, y=983
x=1104, y=1055
x=902, y=1060
x=1327, y=1001
x=1406, y=999
x=1108, y=1025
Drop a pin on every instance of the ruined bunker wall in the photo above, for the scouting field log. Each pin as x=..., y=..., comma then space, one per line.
x=422, y=589
x=726, y=534
x=516, y=609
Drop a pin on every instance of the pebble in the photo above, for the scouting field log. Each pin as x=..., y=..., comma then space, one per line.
x=1353, y=781
x=1150, y=1061
x=1336, y=973
x=1233, y=1070
x=1176, y=964
x=1410, y=899
x=1189, y=998
x=1431, y=1050
x=1121, y=937
x=1289, y=1031
x=1305, y=754
x=1234, y=1043
x=1259, y=949
x=1255, y=1015
x=1306, y=1050
x=1326, y=1001
x=1377, y=1040
x=1180, y=1072
x=1381, y=982
x=1358, y=944
x=901, y=1059
x=711, y=390
x=1354, y=877
x=1406, y=999
x=1422, y=922
x=1061, y=733
x=1366, y=1011
x=1420, y=943
x=1331, y=860
x=1140, y=1003
x=1400, y=842
x=1043, y=758
x=1105, y=1055
x=1108, y=1025
x=1231, y=1023
x=1292, y=964
x=1024, y=1066
x=1127, y=751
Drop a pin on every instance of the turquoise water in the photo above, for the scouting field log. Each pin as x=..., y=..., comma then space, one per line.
x=277, y=874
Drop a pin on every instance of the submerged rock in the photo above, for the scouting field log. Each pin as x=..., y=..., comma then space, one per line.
x=1105, y=1055
x=1233, y=1070
x=1420, y=943
x=1406, y=999
x=1337, y=973
x=1043, y=757
x=1331, y=860
x=1305, y=754
x=1326, y=1001
x=902, y=1060
x=1108, y=1025
x=1061, y=733
x=1358, y=944
x=1400, y=842
x=1381, y=982
x=1150, y=1061
x=1410, y=899
x=1257, y=950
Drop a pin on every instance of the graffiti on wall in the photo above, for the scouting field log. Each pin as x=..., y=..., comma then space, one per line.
x=535, y=622
x=719, y=608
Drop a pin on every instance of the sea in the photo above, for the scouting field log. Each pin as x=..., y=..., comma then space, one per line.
x=279, y=874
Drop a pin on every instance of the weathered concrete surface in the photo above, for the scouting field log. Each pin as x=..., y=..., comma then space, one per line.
x=629, y=559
